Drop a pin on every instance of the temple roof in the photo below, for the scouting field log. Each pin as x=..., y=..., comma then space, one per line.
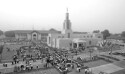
x=80, y=32
x=39, y=31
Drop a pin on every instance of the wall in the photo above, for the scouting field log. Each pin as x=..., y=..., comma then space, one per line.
x=60, y=40
x=64, y=43
x=82, y=35
x=16, y=36
x=93, y=42
x=29, y=36
x=21, y=36
x=52, y=39
x=97, y=35
x=39, y=36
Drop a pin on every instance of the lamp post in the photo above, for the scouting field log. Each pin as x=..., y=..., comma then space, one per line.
x=91, y=51
x=111, y=49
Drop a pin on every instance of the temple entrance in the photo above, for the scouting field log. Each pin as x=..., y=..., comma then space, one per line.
x=79, y=44
x=34, y=36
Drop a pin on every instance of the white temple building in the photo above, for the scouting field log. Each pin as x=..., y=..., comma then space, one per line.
x=69, y=39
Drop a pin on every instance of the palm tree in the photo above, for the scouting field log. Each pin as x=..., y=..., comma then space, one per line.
x=111, y=49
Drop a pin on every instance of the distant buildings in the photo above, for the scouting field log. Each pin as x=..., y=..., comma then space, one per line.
x=117, y=39
x=33, y=35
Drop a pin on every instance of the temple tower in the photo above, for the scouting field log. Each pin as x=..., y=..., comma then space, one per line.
x=67, y=30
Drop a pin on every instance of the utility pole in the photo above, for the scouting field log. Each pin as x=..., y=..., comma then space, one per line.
x=111, y=49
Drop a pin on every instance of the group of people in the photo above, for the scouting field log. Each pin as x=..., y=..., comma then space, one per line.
x=63, y=63
x=27, y=58
x=15, y=60
x=56, y=59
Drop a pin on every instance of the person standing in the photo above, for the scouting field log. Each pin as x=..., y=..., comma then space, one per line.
x=78, y=68
x=86, y=71
x=72, y=66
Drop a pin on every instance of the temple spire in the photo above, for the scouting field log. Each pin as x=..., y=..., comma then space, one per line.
x=67, y=25
x=67, y=14
x=67, y=10
x=33, y=27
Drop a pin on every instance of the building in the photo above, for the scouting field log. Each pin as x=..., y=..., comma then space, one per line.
x=33, y=35
x=116, y=39
x=69, y=39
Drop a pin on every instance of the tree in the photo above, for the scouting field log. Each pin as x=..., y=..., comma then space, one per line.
x=1, y=32
x=1, y=50
x=105, y=33
x=96, y=31
x=123, y=34
x=9, y=34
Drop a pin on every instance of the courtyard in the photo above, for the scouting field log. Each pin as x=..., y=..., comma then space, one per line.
x=7, y=57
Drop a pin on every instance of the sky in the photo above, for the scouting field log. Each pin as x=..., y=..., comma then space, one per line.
x=85, y=15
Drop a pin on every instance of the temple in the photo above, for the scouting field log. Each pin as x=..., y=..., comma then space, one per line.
x=69, y=39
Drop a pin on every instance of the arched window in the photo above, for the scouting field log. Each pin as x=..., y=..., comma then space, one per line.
x=68, y=35
x=34, y=34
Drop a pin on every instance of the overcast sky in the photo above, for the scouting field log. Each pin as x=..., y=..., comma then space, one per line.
x=85, y=15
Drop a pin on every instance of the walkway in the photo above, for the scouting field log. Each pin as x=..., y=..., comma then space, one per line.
x=10, y=67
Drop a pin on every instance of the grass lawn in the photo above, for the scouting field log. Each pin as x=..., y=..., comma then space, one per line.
x=119, y=72
x=7, y=55
x=96, y=63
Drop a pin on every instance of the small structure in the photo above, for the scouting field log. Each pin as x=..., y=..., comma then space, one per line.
x=77, y=43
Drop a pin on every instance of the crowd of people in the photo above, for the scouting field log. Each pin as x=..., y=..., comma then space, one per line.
x=53, y=58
